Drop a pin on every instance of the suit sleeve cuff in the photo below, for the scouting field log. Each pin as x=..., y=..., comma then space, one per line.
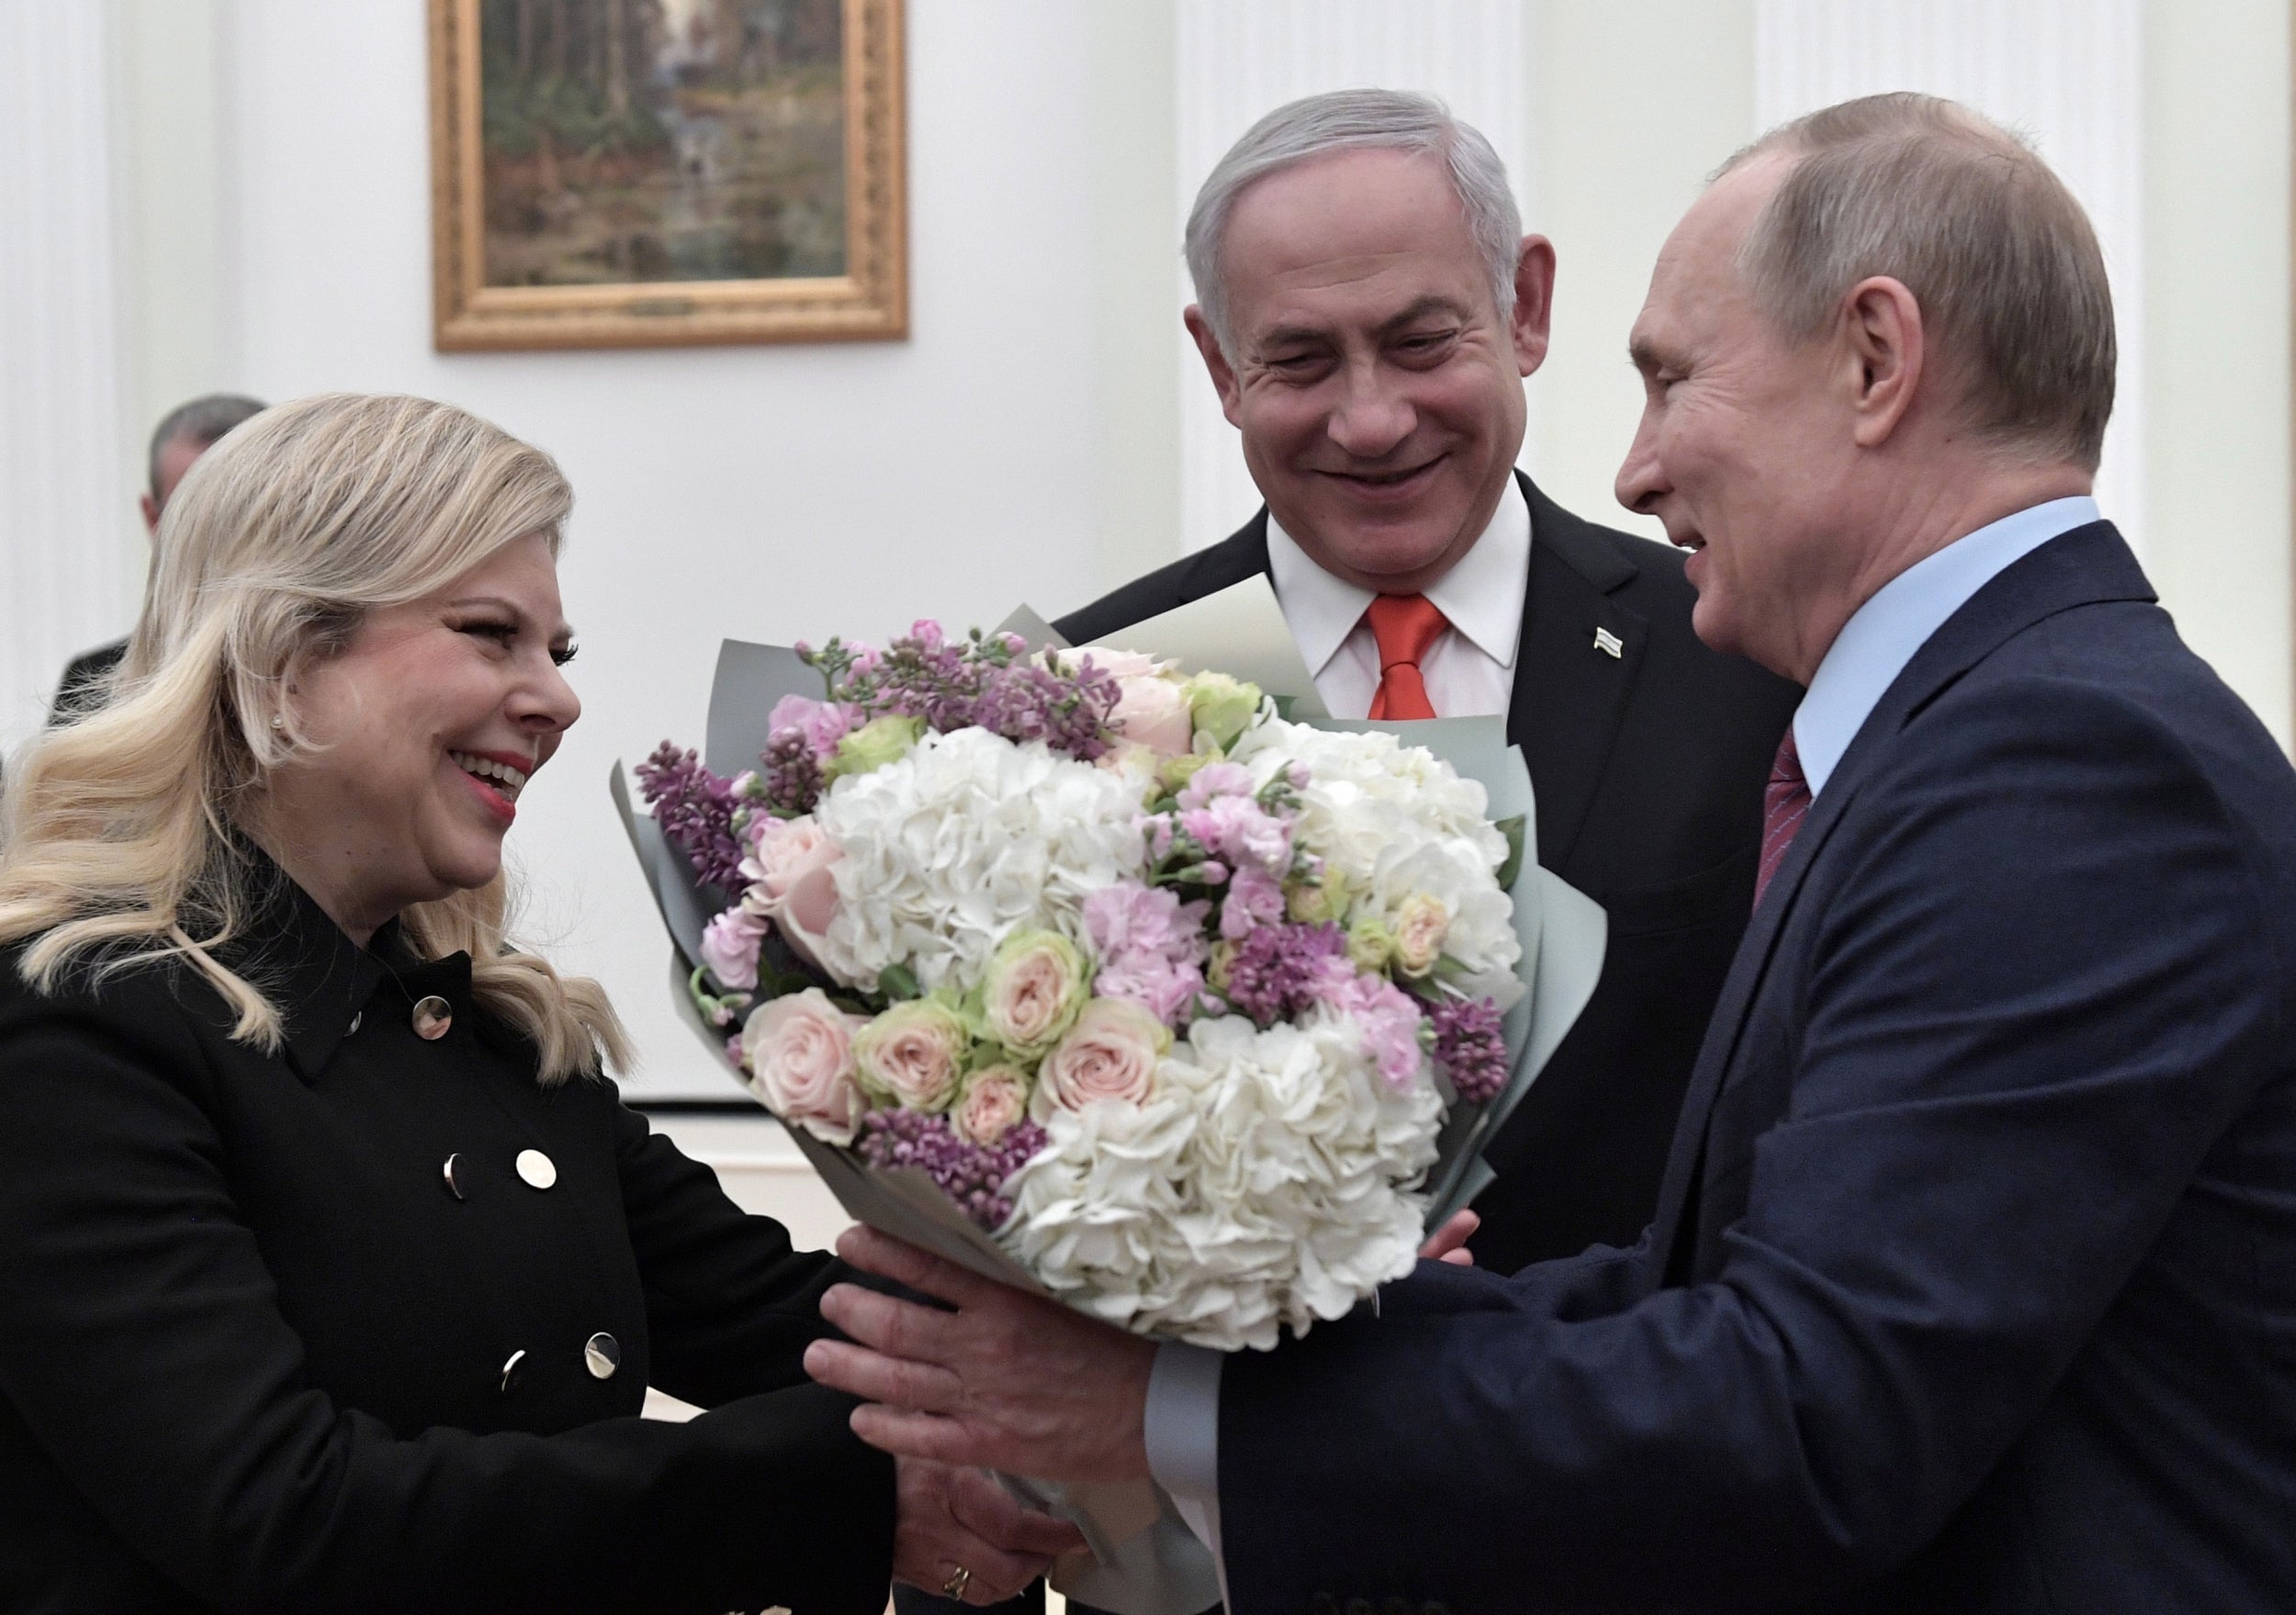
x=1182, y=1421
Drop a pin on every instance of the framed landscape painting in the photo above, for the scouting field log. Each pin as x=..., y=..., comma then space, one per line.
x=643, y=172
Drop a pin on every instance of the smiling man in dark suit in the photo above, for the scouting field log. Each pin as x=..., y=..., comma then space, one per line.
x=1368, y=307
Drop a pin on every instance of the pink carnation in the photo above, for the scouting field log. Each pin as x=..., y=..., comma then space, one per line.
x=1215, y=779
x=730, y=944
x=1151, y=948
x=1387, y=1018
x=822, y=722
x=1240, y=831
x=1254, y=899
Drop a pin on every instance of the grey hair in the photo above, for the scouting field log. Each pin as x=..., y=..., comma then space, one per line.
x=202, y=422
x=1342, y=120
x=1998, y=253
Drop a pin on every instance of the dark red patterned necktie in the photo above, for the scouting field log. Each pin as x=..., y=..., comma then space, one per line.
x=1784, y=804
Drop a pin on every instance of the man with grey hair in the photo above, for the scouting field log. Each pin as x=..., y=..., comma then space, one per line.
x=183, y=434
x=1972, y=1284
x=1368, y=309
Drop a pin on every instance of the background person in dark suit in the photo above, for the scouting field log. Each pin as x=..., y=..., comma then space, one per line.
x=333, y=1271
x=183, y=434
x=1368, y=309
x=1973, y=1285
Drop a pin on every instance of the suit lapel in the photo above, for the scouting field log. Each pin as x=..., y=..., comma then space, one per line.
x=2084, y=566
x=1570, y=690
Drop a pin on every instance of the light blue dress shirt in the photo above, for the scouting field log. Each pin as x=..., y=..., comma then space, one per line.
x=1882, y=636
x=1873, y=648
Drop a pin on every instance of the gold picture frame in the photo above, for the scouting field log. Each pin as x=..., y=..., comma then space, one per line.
x=838, y=285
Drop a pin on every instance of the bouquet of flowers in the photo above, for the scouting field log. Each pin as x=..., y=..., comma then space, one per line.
x=1104, y=977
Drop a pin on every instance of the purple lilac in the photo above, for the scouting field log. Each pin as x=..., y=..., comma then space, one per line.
x=983, y=681
x=1470, y=1047
x=1279, y=971
x=972, y=1175
x=790, y=775
x=696, y=810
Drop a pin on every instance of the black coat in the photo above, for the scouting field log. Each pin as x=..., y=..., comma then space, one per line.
x=1649, y=768
x=262, y=1348
x=86, y=682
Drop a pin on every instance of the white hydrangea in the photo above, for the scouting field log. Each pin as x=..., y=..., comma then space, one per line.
x=1393, y=820
x=1267, y=1183
x=970, y=838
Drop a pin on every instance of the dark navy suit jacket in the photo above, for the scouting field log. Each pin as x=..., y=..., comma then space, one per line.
x=1973, y=1285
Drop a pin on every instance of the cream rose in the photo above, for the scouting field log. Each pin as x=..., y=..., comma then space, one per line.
x=1035, y=983
x=1110, y=1054
x=992, y=1099
x=1420, y=930
x=913, y=1053
x=799, y=1050
x=1153, y=712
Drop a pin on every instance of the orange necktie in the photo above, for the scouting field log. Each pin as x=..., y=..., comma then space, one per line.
x=1406, y=626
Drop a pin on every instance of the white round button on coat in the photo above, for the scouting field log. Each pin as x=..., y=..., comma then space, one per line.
x=536, y=1170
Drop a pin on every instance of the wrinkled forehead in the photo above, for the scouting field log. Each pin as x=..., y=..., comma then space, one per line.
x=1371, y=224
x=1696, y=280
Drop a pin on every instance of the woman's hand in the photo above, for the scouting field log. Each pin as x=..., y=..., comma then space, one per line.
x=948, y=1520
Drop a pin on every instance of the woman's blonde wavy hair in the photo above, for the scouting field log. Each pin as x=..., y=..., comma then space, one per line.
x=122, y=835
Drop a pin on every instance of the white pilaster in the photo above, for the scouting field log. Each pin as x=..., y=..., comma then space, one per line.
x=1238, y=60
x=2066, y=73
x=68, y=570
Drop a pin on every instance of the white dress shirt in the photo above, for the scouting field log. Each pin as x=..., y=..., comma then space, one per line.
x=1183, y=1412
x=1470, y=670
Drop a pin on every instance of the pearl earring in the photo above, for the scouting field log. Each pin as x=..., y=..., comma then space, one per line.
x=277, y=721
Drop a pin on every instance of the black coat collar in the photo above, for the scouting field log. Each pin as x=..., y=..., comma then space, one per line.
x=2088, y=566
x=319, y=979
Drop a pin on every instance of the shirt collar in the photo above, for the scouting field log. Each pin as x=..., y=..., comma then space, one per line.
x=1481, y=595
x=1882, y=636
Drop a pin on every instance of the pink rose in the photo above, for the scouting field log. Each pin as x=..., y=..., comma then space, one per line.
x=913, y=1053
x=793, y=881
x=1033, y=985
x=1111, y=1054
x=730, y=947
x=1151, y=710
x=799, y=1050
x=1420, y=932
x=994, y=1098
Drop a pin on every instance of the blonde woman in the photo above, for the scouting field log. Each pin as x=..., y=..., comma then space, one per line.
x=332, y=1271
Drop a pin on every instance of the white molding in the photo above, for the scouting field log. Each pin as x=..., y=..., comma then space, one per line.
x=2067, y=73
x=67, y=565
x=1238, y=60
